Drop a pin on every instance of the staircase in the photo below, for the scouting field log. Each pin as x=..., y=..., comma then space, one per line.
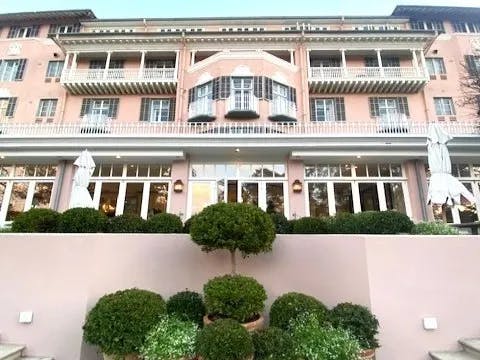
x=14, y=352
x=471, y=351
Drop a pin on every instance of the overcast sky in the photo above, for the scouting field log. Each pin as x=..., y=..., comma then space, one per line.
x=198, y=8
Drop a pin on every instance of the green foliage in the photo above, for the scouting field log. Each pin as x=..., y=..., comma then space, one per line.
x=273, y=344
x=312, y=341
x=383, y=222
x=126, y=223
x=224, y=339
x=237, y=297
x=170, y=339
x=187, y=306
x=291, y=305
x=434, y=228
x=82, y=220
x=188, y=224
x=344, y=223
x=233, y=226
x=164, y=223
x=36, y=221
x=310, y=225
x=359, y=321
x=282, y=225
x=119, y=322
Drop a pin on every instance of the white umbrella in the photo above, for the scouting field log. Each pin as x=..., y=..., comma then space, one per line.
x=443, y=188
x=80, y=196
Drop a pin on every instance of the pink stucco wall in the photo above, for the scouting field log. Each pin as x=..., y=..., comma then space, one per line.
x=402, y=279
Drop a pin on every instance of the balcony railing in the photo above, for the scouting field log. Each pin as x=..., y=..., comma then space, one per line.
x=283, y=109
x=90, y=75
x=113, y=128
x=201, y=109
x=242, y=105
x=340, y=73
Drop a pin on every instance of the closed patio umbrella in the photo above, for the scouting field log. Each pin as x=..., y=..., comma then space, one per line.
x=80, y=196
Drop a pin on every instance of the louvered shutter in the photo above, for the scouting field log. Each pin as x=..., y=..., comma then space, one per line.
x=312, y=110
x=339, y=109
x=22, y=63
x=11, y=106
x=145, y=109
x=113, y=108
x=12, y=31
x=374, y=107
x=53, y=29
x=292, y=94
x=258, y=86
x=191, y=95
x=268, y=89
x=86, y=107
x=225, y=84
x=402, y=106
x=471, y=66
x=171, y=113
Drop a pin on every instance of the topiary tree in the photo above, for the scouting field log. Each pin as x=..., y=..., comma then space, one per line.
x=164, y=223
x=36, y=221
x=273, y=344
x=187, y=306
x=126, y=223
x=233, y=227
x=82, y=220
x=119, y=322
x=224, y=340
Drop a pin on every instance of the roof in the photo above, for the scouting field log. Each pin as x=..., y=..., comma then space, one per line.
x=43, y=17
x=438, y=12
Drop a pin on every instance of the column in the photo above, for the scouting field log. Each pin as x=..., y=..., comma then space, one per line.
x=344, y=62
x=177, y=62
x=74, y=62
x=192, y=57
x=380, y=64
x=415, y=60
x=107, y=64
x=292, y=58
x=424, y=62
x=142, y=64
x=66, y=64
x=308, y=63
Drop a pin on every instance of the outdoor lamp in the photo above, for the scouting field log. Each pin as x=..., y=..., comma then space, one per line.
x=178, y=186
x=297, y=186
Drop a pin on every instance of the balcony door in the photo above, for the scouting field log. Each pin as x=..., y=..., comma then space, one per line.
x=159, y=110
x=100, y=110
x=243, y=93
x=325, y=110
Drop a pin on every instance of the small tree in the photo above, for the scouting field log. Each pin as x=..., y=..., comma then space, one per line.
x=233, y=227
x=470, y=83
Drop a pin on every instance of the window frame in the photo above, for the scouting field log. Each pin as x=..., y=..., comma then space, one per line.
x=47, y=107
x=443, y=104
x=437, y=64
x=55, y=68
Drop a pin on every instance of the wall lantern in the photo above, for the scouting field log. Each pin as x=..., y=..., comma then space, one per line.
x=297, y=186
x=178, y=186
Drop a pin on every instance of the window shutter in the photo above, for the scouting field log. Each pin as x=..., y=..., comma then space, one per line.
x=192, y=94
x=22, y=63
x=292, y=94
x=216, y=89
x=312, y=110
x=339, y=109
x=113, y=108
x=402, y=106
x=34, y=32
x=11, y=106
x=171, y=112
x=374, y=108
x=258, y=86
x=225, y=87
x=145, y=109
x=11, y=32
x=86, y=107
x=53, y=29
x=472, y=68
x=268, y=88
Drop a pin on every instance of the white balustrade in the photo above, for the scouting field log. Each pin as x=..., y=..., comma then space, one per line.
x=282, y=106
x=244, y=101
x=352, y=73
x=201, y=107
x=118, y=75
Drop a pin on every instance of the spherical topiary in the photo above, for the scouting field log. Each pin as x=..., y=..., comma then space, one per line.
x=434, y=228
x=237, y=297
x=224, y=340
x=187, y=306
x=170, y=339
x=358, y=321
x=273, y=344
x=344, y=223
x=119, y=322
x=188, y=224
x=383, y=222
x=310, y=225
x=291, y=305
x=282, y=225
x=126, y=223
x=164, y=223
x=82, y=220
x=36, y=221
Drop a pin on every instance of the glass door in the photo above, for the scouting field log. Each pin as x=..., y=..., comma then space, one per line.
x=249, y=193
x=242, y=91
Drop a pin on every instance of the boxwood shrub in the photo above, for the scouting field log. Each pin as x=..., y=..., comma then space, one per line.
x=434, y=228
x=273, y=344
x=187, y=306
x=126, y=223
x=224, y=339
x=310, y=225
x=36, y=221
x=188, y=224
x=164, y=223
x=383, y=222
x=119, y=322
x=289, y=306
x=82, y=220
x=282, y=225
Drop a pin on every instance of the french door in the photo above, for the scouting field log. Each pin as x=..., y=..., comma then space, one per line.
x=242, y=92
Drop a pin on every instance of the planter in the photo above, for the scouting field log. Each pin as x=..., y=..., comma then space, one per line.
x=368, y=354
x=250, y=326
x=118, y=357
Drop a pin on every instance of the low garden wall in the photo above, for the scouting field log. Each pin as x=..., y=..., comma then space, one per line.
x=401, y=278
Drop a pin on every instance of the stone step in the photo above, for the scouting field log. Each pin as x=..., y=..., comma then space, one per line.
x=452, y=355
x=10, y=351
x=471, y=346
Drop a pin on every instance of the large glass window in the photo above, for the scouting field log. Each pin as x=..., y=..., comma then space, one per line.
x=17, y=201
x=42, y=195
x=158, y=199
x=108, y=198
x=343, y=197
x=318, y=199
x=243, y=93
x=369, y=196
x=275, y=198
x=394, y=197
x=133, y=199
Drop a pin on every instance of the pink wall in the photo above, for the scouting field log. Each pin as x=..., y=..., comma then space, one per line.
x=402, y=278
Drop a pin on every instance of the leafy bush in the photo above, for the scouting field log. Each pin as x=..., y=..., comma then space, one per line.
x=282, y=225
x=273, y=344
x=119, y=322
x=310, y=225
x=344, y=223
x=187, y=306
x=434, y=228
x=312, y=341
x=188, y=224
x=170, y=339
x=383, y=222
x=36, y=221
x=291, y=305
x=126, y=223
x=359, y=321
x=224, y=339
x=237, y=297
x=82, y=220
x=164, y=223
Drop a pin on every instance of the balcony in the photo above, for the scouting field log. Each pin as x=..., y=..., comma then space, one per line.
x=283, y=110
x=366, y=79
x=242, y=105
x=120, y=81
x=201, y=110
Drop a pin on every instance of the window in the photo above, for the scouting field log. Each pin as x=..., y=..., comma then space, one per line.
x=466, y=27
x=444, y=106
x=324, y=110
x=428, y=25
x=243, y=93
x=473, y=65
x=436, y=66
x=381, y=107
x=54, y=69
x=7, y=107
x=12, y=70
x=47, y=107
x=64, y=28
x=157, y=110
x=23, y=31
x=159, y=64
x=99, y=109
x=325, y=62
x=386, y=62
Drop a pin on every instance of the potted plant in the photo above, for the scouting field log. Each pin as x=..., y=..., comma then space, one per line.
x=187, y=306
x=236, y=297
x=225, y=339
x=170, y=339
x=233, y=227
x=360, y=322
x=273, y=344
x=119, y=322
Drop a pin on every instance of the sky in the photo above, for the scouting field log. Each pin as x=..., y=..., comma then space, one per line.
x=214, y=8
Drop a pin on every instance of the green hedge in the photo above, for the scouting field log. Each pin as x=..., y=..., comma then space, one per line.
x=126, y=224
x=164, y=223
x=82, y=220
x=36, y=221
x=310, y=225
x=434, y=228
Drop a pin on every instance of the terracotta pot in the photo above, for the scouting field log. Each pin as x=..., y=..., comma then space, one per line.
x=117, y=357
x=367, y=354
x=250, y=326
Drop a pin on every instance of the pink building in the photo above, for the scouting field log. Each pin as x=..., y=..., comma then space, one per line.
x=182, y=113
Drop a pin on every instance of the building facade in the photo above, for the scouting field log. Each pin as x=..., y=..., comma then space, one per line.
x=302, y=116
